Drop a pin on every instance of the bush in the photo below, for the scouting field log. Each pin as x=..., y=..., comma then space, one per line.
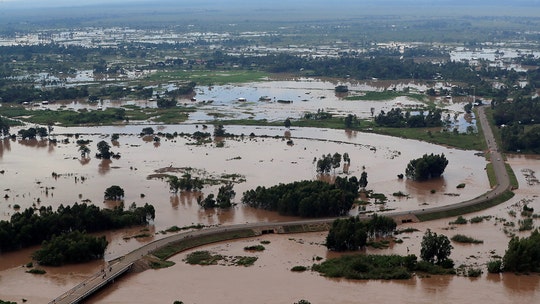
x=460, y=186
x=460, y=238
x=494, y=266
x=36, y=271
x=299, y=268
x=254, y=248
x=459, y=221
x=474, y=272
x=202, y=258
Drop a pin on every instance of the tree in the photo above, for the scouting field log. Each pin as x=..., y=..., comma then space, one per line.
x=114, y=193
x=84, y=151
x=115, y=137
x=147, y=131
x=174, y=184
x=219, y=131
x=426, y=167
x=523, y=254
x=349, y=120
x=435, y=248
x=71, y=247
x=208, y=202
x=4, y=127
x=324, y=164
x=225, y=195
x=363, y=182
x=336, y=161
x=287, y=123
x=104, y=150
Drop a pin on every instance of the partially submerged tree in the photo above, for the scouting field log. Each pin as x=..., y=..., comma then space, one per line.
x=435, y=249
x=426, y=167
x=104, y=150
x=114, y=193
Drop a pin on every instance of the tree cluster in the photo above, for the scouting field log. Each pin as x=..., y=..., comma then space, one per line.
x=185, y=183
x=20, y=94
x=70, y=247
x=223, y=200
x=353, y=233
x=31, y=133
x=4, y=127
x=328, y=162
x=523, y=254
x=426, y=167
x=435, y=248
x=306, y=198
x=517, y=137
x=31, y=227
x=396, y=118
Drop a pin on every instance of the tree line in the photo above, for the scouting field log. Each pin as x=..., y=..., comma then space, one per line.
x=306, y=198
x=70, y=247
x=31, y=227
x=517, y=121
x=396, y=118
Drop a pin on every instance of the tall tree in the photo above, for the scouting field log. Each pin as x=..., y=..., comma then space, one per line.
x=363, y=182
x=435, y=248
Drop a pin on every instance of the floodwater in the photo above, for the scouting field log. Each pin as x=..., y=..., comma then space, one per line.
x=28, y=180
x=305, y=95
x=270, y=280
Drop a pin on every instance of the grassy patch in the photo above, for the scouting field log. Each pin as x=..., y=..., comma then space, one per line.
x=209, y=77
x=368, y=267
x=460, y=238
x=174, y=248
x=385, y=95
x=254, y=248
x=202, y=258
x=244, y=260
x=491, y=175
x=406, y=230
x=459, y=221
x=299, y=268
x=513, y=180
x=473, y=141
x=157, y=264
x=464, y=210
x=36, y=271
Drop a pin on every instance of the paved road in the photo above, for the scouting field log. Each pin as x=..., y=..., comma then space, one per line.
x=119, y=266
x=499, y=168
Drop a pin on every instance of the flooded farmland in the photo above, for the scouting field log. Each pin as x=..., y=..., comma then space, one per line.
x=40, y=173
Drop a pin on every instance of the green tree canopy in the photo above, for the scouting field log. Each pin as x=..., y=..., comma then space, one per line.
x=426, y=167
x=114, y=193
x=435, y=248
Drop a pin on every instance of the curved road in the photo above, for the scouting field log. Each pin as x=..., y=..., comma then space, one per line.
x=121, y=265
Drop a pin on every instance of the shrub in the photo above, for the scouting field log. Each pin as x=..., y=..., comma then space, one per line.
x=36, y=271
x=202, y=258
x=459, y=221
x=460, y=186
x=494, y=266
x=460, y=238
x=299, y=268
x=474, y=272
x=254, y=248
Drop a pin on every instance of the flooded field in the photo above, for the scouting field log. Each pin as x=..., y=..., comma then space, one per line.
x=40, y=173
x=271, y=281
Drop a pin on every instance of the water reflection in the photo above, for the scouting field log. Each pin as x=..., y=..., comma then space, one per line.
x=104, y=166
x=5, y=145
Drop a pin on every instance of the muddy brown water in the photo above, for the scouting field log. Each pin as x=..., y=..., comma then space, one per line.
x=28, y=180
